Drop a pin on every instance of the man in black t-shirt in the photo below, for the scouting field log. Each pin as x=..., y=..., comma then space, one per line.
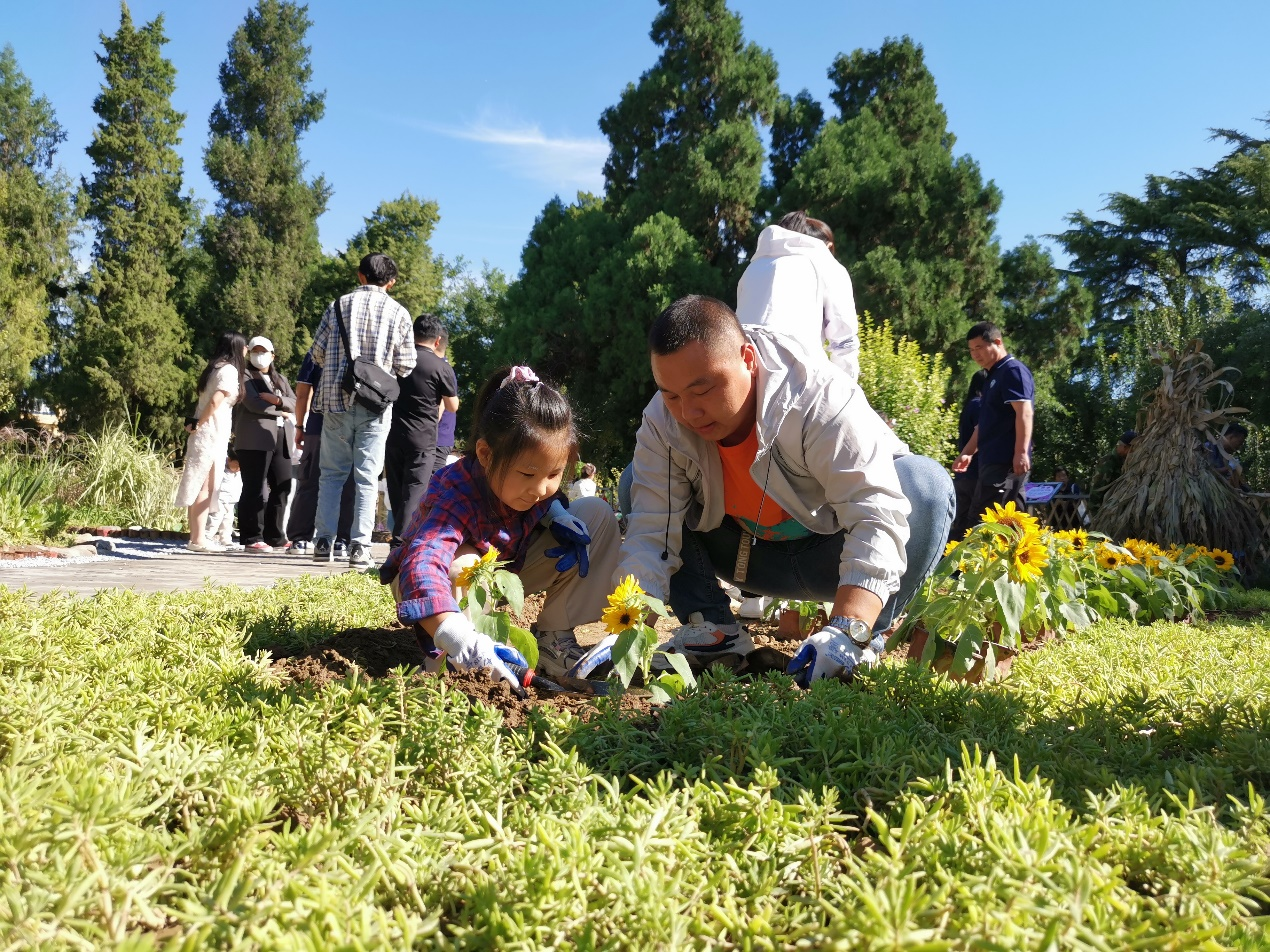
x=1003, y=438
x=412, y=440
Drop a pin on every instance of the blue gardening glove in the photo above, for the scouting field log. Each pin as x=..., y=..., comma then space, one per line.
x=468, y=648
x=831, y=653
x=571, y=533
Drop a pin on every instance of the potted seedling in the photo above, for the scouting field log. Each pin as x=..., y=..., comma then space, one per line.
x=796, y=619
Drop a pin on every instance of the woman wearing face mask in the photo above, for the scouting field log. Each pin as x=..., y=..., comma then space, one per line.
x=264, y=432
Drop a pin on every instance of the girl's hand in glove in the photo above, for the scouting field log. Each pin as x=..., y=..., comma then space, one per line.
x=468, y=648
x=571, y=532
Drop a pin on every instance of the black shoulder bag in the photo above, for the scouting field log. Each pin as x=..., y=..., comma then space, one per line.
x=368, y=384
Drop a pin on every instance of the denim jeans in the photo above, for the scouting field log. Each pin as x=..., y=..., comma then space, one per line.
x=352, y=441
x=807, y=569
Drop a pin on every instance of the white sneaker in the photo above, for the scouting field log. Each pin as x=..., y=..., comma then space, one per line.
x=705, y=643
x=754, y=607
x=205, y=547
x=558, y=651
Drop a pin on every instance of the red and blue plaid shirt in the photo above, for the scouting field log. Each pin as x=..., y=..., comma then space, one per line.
x=458, y=507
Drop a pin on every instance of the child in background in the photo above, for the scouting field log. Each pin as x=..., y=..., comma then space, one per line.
x=220, y=521
x=585, y=486
x=505, y=492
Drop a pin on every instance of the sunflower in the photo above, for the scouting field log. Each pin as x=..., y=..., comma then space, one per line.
x=1008, y=515
x=626, y=606
x=1109, y=558
x=1222, y=559
x=948, y=549
x=1030, y=556
x=465, y=577
x=1079, y=539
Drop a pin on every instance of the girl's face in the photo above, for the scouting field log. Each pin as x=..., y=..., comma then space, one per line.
x=532, y=477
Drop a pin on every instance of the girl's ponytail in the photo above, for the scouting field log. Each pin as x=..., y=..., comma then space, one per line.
x=516, y=411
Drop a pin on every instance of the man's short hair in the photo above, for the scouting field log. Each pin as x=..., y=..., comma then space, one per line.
x=1236, y=429
x=429, y=327
x=695, y=318
x=984, y=330
x=1128, y=436
x=378, y=269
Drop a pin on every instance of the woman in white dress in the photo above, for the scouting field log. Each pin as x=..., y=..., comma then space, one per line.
x=218, y=390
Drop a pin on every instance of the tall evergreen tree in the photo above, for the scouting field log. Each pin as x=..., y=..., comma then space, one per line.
x=37, y=216
x=684, y=139
x=796, y=122
x=914, y=222
x=263, y=239
x=131, y=343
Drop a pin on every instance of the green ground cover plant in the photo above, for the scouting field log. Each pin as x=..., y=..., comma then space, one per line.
x=162, y=786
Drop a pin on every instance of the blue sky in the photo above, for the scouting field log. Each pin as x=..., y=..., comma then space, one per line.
x=490, y=108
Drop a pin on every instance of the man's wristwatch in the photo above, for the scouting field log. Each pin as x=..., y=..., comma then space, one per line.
x=858, y=631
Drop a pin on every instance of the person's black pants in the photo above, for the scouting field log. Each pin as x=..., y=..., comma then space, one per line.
x=964, y=486
x=998, y=483
x=304, y=507
x=408, y=469
x=438, y=459
x=266, y=486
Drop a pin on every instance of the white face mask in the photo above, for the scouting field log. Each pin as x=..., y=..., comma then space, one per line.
x=262, y=361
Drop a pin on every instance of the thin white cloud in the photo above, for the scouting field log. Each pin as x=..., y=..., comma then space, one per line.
x=564, y=163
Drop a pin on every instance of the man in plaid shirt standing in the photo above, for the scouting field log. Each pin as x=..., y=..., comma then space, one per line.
x=353, y=438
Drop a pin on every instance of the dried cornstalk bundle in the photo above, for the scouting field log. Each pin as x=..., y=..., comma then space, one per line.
x=1167, y=493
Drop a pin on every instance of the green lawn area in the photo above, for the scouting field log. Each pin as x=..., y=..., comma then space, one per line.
x=161, y=785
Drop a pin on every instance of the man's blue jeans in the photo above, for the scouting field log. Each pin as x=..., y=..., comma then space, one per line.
x=352, y=441
x=807, y=569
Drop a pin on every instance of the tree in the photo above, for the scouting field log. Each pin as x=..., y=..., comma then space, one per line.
x=400, y=228
x=131, y=345
x=913, y=222
x=472, y=310
x=1045, y=311
x=795, y=124
x=37, y=217
x=263, y=239
x=684, y=139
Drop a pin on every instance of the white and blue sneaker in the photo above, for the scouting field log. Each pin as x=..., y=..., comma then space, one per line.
x=704, y=644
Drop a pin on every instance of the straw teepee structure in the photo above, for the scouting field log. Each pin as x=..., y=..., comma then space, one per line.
x=1167, y=493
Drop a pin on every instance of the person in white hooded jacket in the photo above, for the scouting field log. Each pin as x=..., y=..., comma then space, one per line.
x=760, y=465
x=795, y=284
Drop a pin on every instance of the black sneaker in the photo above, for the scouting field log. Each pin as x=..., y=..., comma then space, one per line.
x=341, y=549
x=359, y=556
x=322, y=551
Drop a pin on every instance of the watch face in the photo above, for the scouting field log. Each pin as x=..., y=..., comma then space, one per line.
x=859, y=632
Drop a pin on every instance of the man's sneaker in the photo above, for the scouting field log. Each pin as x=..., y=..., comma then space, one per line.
x=341, y=549
x=558, y=651
x=322, y=551
x=260, y=547
x=359, y=556
x=704, y=643
x=303, y=547
x=753, y=607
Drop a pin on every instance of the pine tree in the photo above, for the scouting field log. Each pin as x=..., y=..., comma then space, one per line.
x=684, y=139
x=913, y=222
x=37, y=215
x=263, y=239
x=131, y=345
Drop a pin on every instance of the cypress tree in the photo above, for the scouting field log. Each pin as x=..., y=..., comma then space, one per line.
x=131, y=344
x=263, y=239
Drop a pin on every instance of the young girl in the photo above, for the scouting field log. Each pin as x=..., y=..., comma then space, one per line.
x=505, y=492
x=208, y=444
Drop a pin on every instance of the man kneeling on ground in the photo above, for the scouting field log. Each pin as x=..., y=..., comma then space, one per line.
x=757, y=464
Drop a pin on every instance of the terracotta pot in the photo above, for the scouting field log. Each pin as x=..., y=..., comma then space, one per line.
x=946, y=651
x=789, y=624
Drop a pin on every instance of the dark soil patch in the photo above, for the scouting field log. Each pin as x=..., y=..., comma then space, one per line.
x=1239, y=613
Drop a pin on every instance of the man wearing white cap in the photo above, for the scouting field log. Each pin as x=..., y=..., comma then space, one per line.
x=264, y=432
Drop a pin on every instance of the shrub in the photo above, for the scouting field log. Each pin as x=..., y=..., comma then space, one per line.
x=30, y=477
x=908, y=388
x=125, y=480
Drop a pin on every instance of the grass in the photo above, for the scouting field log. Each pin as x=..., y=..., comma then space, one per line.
x=159, y=786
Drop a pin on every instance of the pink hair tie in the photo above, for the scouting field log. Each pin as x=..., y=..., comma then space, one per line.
x=519, y=374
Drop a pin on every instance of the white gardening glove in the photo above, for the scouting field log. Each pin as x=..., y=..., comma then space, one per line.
x=830, y=653
x=467, y=648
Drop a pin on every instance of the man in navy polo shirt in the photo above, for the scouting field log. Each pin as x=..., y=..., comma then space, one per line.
x=1003, y=438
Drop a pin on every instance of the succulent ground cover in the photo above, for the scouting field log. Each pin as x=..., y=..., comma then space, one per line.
x=165, y=781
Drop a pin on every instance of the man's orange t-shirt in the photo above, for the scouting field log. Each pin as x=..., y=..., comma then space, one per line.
x=741, y=495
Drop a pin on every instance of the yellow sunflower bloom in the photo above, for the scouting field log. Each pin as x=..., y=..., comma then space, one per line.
x=948, y=549
x=1222, y=559
x=626, y=606
x=1109, y=558
x=1030, y=556
x=1008, y=515
x=465, y=577
x=1079, y=539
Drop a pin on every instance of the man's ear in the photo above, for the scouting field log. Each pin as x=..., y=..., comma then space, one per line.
x=749, y=354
